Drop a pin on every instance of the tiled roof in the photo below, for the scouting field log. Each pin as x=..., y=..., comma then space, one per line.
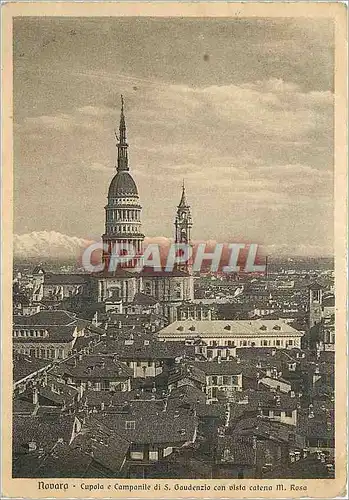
x=266, y=399
x=153, y=427
x=236, y=450
x=187, y=394
x=58, y=334
x=275, y=383
x=107, y=447
x=65, y=279
x=308, y=468
x=24, y=365
x=65, y=461
x=216, y=411
x=144, y=300
x=220, y=328
x=140, y=349
x=268, y=429
x=188, y=371
x=44, y=431
x=110, y=399
x=20, y=406
x=58, y=392
x=329, y=301
x=97, y=367
x=218, y=368
x=321, y=426
x=45, y=318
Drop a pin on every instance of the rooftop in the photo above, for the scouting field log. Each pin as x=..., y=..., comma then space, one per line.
x=24, y=365
x=45, y=318
x=220, y=328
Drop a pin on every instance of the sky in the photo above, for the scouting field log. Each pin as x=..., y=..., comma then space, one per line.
x=241, y=109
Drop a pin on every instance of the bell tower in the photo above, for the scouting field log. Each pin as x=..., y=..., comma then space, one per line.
x=183, y=224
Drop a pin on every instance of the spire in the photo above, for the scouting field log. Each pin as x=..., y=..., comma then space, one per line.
x=183, y=202
x=122, y=144
x=122, y=127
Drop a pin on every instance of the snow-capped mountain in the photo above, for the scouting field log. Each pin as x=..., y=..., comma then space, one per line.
x=48, y=244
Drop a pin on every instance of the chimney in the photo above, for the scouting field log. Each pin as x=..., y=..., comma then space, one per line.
x=227, y=415
x=32, y=445
x=219, y=359
x=35, y=395
x=102, y=405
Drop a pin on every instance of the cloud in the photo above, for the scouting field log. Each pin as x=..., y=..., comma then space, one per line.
x=99, y=167
x=86, y=117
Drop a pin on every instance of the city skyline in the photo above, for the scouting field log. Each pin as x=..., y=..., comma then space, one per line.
x=249, y=127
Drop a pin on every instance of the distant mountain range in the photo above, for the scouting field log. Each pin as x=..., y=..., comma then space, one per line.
x=48, y=244
x=54, y=245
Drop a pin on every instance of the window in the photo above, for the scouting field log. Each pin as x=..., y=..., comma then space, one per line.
x=278, y=342
x=277, y=413
x=290, y=342
x=265, y=413
x=150, y=363
x=214, y=380
x=226, y=380
x=235, y=380
x=244, y=343
x=105, y=385
x=288, y=414
x=130, y=425
x=138, y=363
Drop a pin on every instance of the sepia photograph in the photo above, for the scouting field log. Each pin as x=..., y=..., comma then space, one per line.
x=174, y=296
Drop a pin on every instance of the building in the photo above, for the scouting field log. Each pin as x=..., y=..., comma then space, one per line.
x=97, y=373
x=48, y=334
x=315, y=304
x=238, y=333
x=123, y=210
x=222, y=377
x=123, y=227
x=183, y=224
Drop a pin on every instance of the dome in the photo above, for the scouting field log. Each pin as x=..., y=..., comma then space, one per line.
x=121, y=185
